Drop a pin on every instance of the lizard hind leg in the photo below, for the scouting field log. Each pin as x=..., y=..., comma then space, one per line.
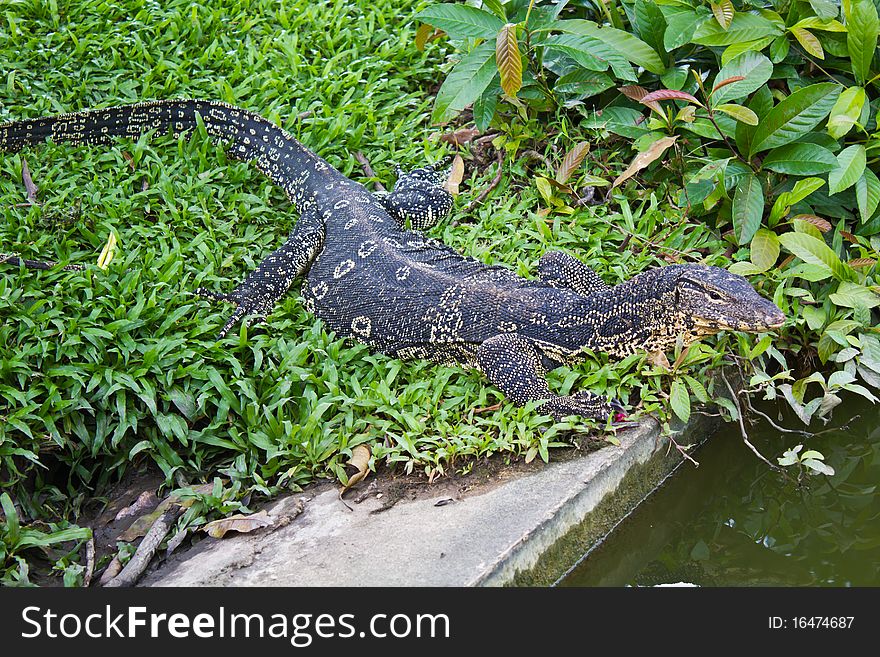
x=419, y=196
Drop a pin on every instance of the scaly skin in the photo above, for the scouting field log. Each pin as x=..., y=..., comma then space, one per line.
x=368, y=277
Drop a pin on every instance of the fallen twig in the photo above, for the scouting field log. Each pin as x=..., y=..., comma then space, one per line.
x=754, y=410
x=90, y=562
x=499, y=159
x=368, y=170
x=15, y=261
x=147, y=548
x=683, y=452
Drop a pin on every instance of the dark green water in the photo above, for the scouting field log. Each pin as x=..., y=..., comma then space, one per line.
x=733, y=522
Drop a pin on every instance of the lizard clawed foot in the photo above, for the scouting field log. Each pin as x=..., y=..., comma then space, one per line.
x=584, y=404
x=254, y=310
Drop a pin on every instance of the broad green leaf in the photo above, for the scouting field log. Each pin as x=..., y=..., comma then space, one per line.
x=508, y=59
x=801, y=190
x=764, y=249
x=755, y=68
x=850, y=166
x=650, y=23
x=466, y=82
x=744, y=268
x=743, y=27
x=681, y=27
x=484, y=106
x=809, y=42
x=867, y=194
x=748, y=208
x=861, y=38
x=846, y=111
x=779, y=49
x=826, y=8
x=815, y=252
x=800, y=159
x=819, y=466
x=795, y=116
x=591, y=53
x=825, y=24
x=459, y=21
x=852, y=295
x=680, y=400
x=624, y=43
x=583, y=83
x=734, y=50
x=740, y=113
x=815, y=317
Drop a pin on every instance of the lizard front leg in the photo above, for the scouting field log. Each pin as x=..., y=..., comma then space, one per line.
x=260, y=291
x=513, y=363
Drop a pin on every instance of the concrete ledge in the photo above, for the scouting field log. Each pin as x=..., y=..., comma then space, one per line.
x=527, y=529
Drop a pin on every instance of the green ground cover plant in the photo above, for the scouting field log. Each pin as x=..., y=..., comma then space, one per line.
x=757, y=118
x=116, y=368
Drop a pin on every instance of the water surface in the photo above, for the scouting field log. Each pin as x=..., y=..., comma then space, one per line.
x=734, y=522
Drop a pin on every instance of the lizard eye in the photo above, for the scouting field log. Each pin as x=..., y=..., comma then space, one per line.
x=715, y=296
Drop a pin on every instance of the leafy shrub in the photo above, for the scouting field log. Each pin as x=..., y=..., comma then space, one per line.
x=765, y=115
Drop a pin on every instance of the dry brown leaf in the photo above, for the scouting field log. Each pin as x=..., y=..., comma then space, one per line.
x=456, y=173
x=238, y=523
x=360, y=459
x=29, y=186
x=572, y=161
x=422, y=34
x=642, y=160
x=142, y=525
x=460, y=136
x=659, y=359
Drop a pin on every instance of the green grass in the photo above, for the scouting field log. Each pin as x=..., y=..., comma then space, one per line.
x=100, y=370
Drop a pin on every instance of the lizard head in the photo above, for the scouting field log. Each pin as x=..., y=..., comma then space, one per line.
x=713, y=299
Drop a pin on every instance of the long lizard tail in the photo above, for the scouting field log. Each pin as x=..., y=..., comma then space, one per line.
x=249, y=136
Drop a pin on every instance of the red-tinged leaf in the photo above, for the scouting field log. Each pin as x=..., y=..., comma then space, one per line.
x=849, y=237
x=642, y=160
x=723, y=12
x=724, y=83
x=669, y=94
x=822, y=224
x=636, y=93
x=508, y=59
x=862, y=262
x=572, y=161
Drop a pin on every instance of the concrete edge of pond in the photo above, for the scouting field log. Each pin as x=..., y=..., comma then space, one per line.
x=526, y=528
